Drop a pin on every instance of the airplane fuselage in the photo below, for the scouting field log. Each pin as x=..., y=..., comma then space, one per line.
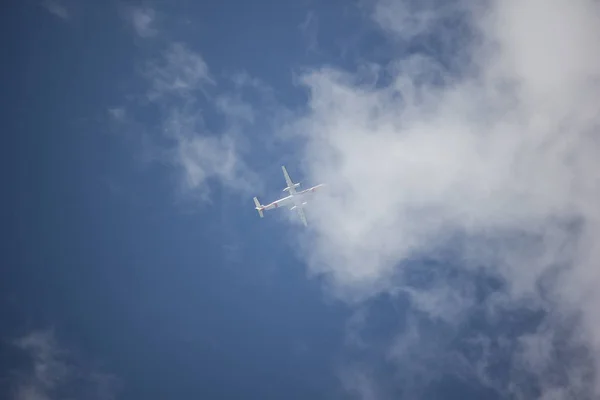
x=297, y=199
x=293, y=199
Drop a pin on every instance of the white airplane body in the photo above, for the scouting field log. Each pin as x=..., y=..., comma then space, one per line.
x=295, y=198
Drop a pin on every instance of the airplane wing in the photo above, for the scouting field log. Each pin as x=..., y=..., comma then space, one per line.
x=288, y=181
x=302, y=215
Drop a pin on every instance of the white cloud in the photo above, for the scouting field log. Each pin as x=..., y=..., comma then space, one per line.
x=48, y=369
x=470, y=155
x=56, y=8
x=310, y=31
x=504, y=152
x=180, y=72
x=180, y=89
x=235, y=108
x=360, y=383
x=408, y=19
x=142, y=20
x=54, y=371
x=202, y=155
x=117, y=113
x=501, y=153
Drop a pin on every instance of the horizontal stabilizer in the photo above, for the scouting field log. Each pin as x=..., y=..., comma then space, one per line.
x=258, y=207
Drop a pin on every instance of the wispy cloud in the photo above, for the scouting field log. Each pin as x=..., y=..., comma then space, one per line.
x=357, y=380
x=180, y=72
x=53, y=371
x=180, y=90
x=310, y=30
x=491, y=152
x=56, y=8
x=203, y=156
x=117, y=113
x=142, y=20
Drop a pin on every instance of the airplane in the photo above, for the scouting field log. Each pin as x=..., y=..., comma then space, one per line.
x=295, y=198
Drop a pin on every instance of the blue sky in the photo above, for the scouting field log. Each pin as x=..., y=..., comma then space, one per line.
x=452, y=256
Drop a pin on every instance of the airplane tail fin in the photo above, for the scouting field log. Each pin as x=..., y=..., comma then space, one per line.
x=258, y=207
